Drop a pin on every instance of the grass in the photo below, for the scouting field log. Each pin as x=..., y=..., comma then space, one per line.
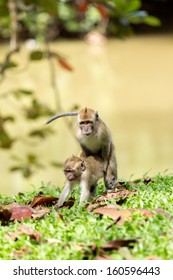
x=78, y=234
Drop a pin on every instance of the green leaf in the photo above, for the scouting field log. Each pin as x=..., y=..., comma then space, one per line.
x=37, y=110
x=26, y=171
x=137, y=17
x=6, y=119
x=49, y=6
x=132, y=5
x=36, y=55
x=15, y=168
x=57, y=164
x=41, y=133
x=5, y=140
x=153, y=21
x=31, y=158
x=16, y=157
x=11, y=64
x=20, y=92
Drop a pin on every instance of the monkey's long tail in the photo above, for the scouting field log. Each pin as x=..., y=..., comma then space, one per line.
x=62, y=115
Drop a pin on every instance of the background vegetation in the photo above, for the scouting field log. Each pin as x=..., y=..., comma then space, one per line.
x=42, y=22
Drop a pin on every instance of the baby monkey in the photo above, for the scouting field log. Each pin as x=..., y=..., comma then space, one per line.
x=85, y=171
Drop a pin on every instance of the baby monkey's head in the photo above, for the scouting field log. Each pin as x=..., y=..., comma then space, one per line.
x=73, y=168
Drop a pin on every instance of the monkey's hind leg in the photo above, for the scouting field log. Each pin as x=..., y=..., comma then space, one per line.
x=110, y=176
x=93, y=191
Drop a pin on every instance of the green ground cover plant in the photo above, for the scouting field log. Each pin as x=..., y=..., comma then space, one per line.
x=134, y=222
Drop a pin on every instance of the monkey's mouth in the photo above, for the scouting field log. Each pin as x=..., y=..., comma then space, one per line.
x=87, y=133
x=71, y=179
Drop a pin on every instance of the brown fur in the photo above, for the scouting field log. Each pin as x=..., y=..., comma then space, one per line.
x=95, y=138
x=86, y=172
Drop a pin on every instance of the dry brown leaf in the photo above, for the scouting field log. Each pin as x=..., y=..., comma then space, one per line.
x=69, y=203
x=23, y=229
x=20, y=253
x=20, y=213
x=111, y=206
x=102, y=257
x=64, y=64
x=12, y=235
x=39, y=200
x=15, y=211
x=124, y=214
x=145, y=212
x=115, y=214
x=92, y=206
x=153, y=258
x=161, y=211
x=5, y=214
x=40, y=212
x=122, y=193
x=33, y=234
x=117, y=243
x=103, y=11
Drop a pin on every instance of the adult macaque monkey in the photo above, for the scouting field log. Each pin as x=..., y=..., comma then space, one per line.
x=95, y=139
x=85, y=171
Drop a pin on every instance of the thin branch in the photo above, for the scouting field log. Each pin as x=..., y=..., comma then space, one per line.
x=4, y=65
x=14, y=25
x=54, y=84
x=14, y=47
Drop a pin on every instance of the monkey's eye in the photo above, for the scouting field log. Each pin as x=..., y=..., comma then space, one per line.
x=97, y=116
x=67, y=170
x=82, y=166
x=85, y=122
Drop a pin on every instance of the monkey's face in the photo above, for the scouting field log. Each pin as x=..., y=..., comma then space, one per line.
x=70, y=174
x=87, y=121
x=73, y=168
x=86, y=127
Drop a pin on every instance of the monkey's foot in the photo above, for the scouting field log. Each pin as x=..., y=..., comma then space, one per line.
x=56, y=206
x=110, y=185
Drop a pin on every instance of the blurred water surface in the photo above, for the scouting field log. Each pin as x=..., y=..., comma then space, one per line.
x=130, y=83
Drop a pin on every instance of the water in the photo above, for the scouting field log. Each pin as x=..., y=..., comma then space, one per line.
x=128, y=81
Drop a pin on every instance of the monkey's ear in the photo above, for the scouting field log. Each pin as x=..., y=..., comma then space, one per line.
x=97, y=116
x=83, y=165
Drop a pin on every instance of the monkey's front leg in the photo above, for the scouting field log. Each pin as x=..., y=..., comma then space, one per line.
x=85, y=192
x=65, y=192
